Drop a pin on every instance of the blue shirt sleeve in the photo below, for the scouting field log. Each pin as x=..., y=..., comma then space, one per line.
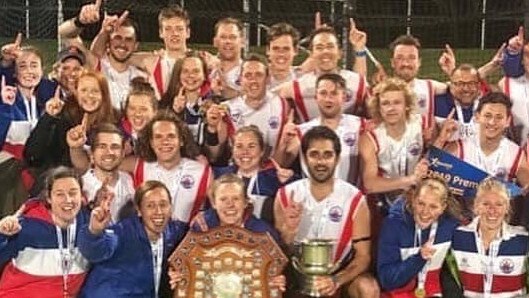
x=512, y=64
x=98, y=248
x=393, y=272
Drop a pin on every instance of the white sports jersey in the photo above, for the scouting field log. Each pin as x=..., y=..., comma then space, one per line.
x=123, y=190
x=330, y=218
x=425, y=99
x=119, y=82
x=187, y=184
x=161, y=74
x=269, y=118
x=348, y=131
x=272, y=82
x=518, y=90
x=398, y=158
x=502, y=163
x=305, y=94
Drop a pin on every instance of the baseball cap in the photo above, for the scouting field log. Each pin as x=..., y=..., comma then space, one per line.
x=71, y=51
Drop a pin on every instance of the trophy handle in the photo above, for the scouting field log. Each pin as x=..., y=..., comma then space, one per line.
x=296, y=265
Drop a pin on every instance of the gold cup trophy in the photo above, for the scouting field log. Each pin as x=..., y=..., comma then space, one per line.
x=316, y=260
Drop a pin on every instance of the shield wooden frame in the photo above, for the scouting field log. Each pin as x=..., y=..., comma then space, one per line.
x=227, y=262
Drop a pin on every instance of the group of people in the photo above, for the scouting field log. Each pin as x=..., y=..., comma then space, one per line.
x=123, y=152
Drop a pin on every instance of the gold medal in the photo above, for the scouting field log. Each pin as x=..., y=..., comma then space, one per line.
x=420, y=293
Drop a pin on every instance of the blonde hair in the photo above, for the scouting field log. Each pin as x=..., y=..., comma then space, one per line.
x=439, y=188
x=491, y=185
x=391, y=84
x=227, y=179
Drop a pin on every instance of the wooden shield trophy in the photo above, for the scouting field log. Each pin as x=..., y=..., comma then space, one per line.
x=227, y=262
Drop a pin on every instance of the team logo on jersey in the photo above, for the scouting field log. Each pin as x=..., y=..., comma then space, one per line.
x=273, y=122
x=335, y=214
x=421, y=102
x=187, y=181
x=506, y=266
x=348, y=95
x=349, y=139
x=501, y=173
x=415, y=149
x=464, y=263
x=236, y=116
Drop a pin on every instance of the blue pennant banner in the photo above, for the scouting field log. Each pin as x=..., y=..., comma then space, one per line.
x=462, y=177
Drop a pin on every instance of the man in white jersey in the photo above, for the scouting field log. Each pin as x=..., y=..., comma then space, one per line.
x=326, y=53
x=106, y=154
x=330, y=96
x=111, y=49
x=167, y=150
x=256, y=106
x=225, y=68
x=490, y=150
x=282, y=42
x=324, y=207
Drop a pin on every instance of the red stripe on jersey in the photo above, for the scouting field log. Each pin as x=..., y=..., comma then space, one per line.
x=515, y=164
x=500, y=283
x=138, y=173
x=298, y=100
x=157, y=74
x=16, y=150
x=283, y=197
x=347, y=232
x=201, y=192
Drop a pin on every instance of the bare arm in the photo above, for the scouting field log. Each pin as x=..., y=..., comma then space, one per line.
x=362, y=258
x=372, y=181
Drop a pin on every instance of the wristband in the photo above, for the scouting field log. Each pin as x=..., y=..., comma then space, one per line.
x=361, y=53
x=78, y=23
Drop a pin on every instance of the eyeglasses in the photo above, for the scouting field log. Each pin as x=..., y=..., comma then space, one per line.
x=465, y=84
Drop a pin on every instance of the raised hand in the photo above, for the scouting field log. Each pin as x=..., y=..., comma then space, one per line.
x=54, y=105
x=76, y=136
x=449, y=127
x=11, y=51
x=100, y=216
x=89, y=13
x=317, y=21
x=179, y=101
x=427, y=250
x=112, y=22
x=283, y=174
x=9, y=93
x=212, y=61
x=447, y=60
x=289, y=137
x=10, y=225
x=357, y=38
x=516, y=42
x=293, y=213
x=104, y=194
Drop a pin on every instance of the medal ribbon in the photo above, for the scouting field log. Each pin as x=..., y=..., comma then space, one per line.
x=66, y=253
x=421, y=277
x=157, y=258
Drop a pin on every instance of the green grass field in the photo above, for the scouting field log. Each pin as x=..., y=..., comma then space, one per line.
x=429, y=69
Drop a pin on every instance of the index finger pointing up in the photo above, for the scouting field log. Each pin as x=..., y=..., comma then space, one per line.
x=84, y=122
x=98, y=3
x=18, y=39
x=352, y=23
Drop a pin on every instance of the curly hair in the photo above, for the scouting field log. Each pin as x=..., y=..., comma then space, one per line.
x=391, y=84
x=188, y=147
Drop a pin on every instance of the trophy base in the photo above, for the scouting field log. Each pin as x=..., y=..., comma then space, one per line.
x=307, y=286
